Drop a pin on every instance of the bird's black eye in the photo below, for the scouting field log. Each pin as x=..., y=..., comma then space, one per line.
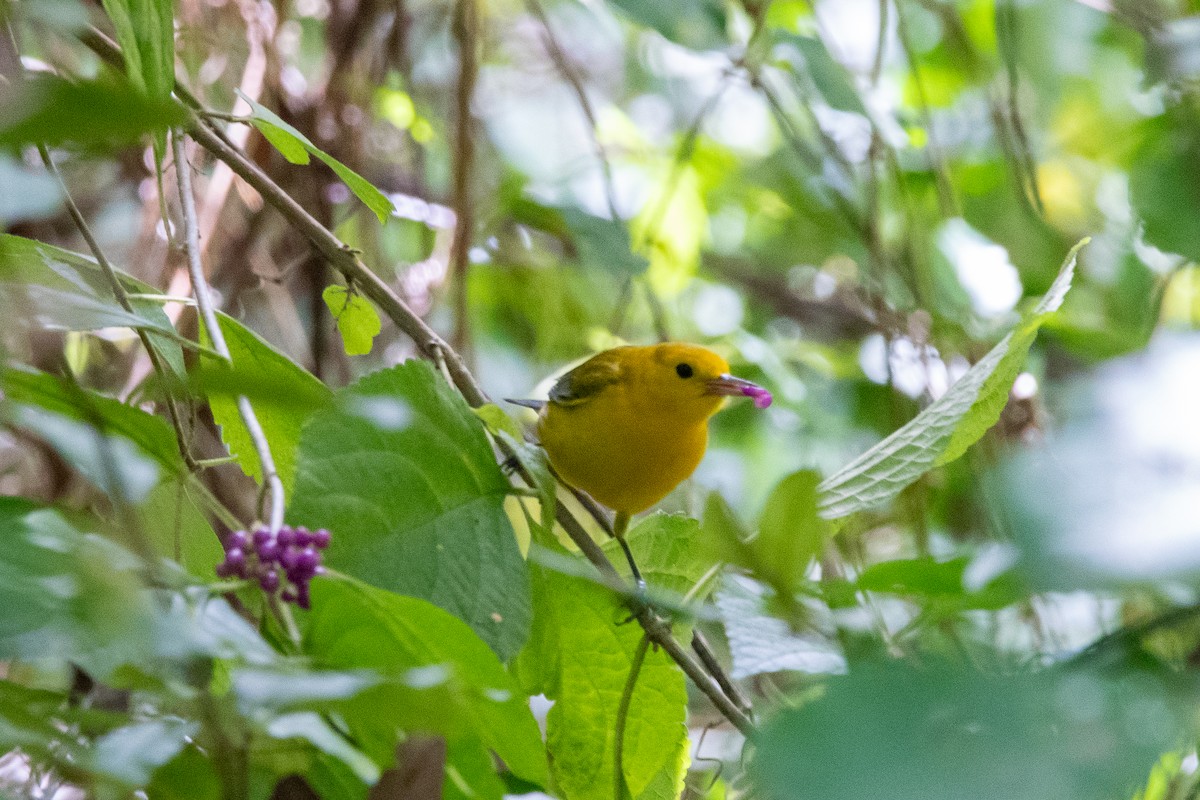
x=683, y=370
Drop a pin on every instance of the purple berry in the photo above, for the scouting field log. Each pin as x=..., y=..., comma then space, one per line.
x=289, y=558
x=236, y=558
x=224, y=569
x=308, y=560
x=302, y=597
x=268, y=551
x=269, y=581
x=303, y=537
x=237, y=539
x=262, y=535
x=321, y=538
x=286, y=536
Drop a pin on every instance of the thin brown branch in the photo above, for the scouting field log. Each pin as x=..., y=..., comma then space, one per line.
x=466, y=31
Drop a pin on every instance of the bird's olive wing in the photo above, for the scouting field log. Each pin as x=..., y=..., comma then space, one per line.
x=587, y=380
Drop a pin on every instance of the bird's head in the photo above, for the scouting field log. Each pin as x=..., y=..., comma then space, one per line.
x=691, y=381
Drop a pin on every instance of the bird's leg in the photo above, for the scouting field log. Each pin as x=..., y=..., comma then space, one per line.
x=620, y=526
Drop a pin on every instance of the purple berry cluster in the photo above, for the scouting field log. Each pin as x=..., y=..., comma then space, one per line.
x=289, y=560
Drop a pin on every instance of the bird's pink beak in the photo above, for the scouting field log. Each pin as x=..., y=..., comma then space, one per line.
x=729, y=386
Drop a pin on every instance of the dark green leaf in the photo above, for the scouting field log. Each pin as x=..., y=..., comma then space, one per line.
x=146, y=33
x=940, y=732
x=404, y=476
x=699, y=24
x=50, y=110
x=593, y=241
x=1162, y=189
x=423, y=650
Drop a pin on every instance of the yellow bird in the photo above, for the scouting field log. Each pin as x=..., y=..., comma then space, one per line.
x=629, y=424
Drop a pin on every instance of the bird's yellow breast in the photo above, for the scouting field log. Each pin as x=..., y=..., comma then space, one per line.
x=625, y=453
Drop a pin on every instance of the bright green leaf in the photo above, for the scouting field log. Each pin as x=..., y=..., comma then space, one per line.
x=403, y=474
x=281, y=416
x=947, y=427
x=790, y=533
x=698, y=24
x=356, y=318
x=290, y=143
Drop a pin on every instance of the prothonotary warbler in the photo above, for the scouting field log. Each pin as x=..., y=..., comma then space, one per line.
x=629, y=424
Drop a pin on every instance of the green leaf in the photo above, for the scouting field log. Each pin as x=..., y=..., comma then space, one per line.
x=470, y=773
x=191, y=775
x=146, y=33
x=356, y=318
x=179, y=529
x=69, y=595
x=151, y=434
x=291, y=143
x=940, y=581
x=830, y=77
x=761, y=642
x=593, y=241
x=592, y=656
x=790, y=533
x=68, y=291
x=947, y=427
x=423, y=649
x=50, y=110
x=698, y=24
x=311, y=727
x=112, y=463
x=1069, y=734
x=664, y=546
x=496, y=421
x=131, y=754
x=259, y=689
x=295, y=391
x=403, y=474
x=1161, y=185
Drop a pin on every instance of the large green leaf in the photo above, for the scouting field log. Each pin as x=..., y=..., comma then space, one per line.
x=941, y=732
x=579, y=654
x=403, y=474
x=293, y=395
x=295, y=147
x=947, y=427
x=439, y=676
x=1161, y=185
x=61, y=289
x=146, y=32
x=50, y=110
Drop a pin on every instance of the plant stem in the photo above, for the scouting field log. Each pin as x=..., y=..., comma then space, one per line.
x=635, y=668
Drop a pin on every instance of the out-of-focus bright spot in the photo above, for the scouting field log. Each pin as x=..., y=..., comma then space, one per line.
x=396, y=107
x=385, y=413
x=917, y=137
x=823, y=285
x=1112, y=198
x=852, y=29
x=1113, y=494
x=1024, y=387
x=674, y=236
x=1157, y=260
x=983, y=268
x=717, y=310
x=742, y=121
x=421, y=131
x=913, y=370
x=1062, y=194
x=727, y=228
x=849, y=131
x=1181, y=299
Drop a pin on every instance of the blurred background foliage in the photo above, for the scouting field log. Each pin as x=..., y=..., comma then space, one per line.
x=853, y=200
